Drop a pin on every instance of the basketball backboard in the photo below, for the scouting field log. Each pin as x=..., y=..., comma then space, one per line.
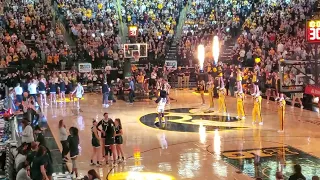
x=292, y=76
x=137, y=49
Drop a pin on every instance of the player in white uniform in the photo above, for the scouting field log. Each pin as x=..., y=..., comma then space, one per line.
x=160, y=108
x=79, y=93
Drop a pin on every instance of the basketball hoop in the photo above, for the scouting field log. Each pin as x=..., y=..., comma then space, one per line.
x=136, y=56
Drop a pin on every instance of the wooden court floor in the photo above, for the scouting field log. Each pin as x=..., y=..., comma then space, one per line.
x=195, y=143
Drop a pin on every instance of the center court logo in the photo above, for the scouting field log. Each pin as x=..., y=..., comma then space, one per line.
x=189, y=120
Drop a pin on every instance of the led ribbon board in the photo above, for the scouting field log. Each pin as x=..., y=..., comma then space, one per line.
x=313, y=31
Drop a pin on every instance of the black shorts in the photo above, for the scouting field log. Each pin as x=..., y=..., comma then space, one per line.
x=118, y=140
x=74, y=154
x=95, y=142
x=109, y=141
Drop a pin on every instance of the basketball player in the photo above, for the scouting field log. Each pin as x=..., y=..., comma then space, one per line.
x=281, y=112
x=222, y=100
x=160, y=110
x=256, y=111
x=79, y=93
x=103, y=123
x=240, y=105
x=110, y=140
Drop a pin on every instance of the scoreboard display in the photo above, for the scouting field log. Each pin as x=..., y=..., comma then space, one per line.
x=133, y=31
x=313, y=31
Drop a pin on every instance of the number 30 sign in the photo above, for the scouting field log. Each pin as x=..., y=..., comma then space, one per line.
x=313, y=31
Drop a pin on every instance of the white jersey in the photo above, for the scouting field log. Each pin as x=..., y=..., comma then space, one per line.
x=161, y=105
x=79, y=91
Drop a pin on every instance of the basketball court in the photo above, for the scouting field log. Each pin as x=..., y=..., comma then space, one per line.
x=194, y=144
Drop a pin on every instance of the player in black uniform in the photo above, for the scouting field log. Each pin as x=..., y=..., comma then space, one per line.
x=95, y=142
x=73, y=140
x=119, y=139
x=110, y=140
x=103, y=123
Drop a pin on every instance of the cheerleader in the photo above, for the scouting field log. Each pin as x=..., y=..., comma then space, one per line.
x=210, y=87
x=222, y=100
x=255, y=81
x=42, y=91
x=160, y=109
x=281, y=112
x=79, y=93
x=62, y=86
x=201, y=88
x=53, y=91
x=256, y=111
x=240, y=105
x=239, y=80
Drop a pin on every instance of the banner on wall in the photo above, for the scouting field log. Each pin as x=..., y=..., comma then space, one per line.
x=84, y=67
x=171, y=64
x=312, y=90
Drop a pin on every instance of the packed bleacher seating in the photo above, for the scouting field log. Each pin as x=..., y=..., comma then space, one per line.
x=30, y=35
x=157, y=22
x=208, y=18
x=276, y=32
x=94, y=26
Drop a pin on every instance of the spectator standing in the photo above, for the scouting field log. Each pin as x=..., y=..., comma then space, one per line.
x=32, y=88
x=232, y=84
x=27, y=133
x=131, y=90
x=38, y=169
x=297, y=173
x=63, y=139
x=39, y=137
x=186, y=77
x=18, y=91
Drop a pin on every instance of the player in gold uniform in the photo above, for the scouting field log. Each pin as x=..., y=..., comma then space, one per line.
x=281, y=112
x=240, y=105
x=256, y=111
x=222, y=100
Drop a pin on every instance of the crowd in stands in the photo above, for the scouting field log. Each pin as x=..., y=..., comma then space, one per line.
x=206, y=19
x=94, y=27
x=273, y=33
x=157, y=22
x=29, y=36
